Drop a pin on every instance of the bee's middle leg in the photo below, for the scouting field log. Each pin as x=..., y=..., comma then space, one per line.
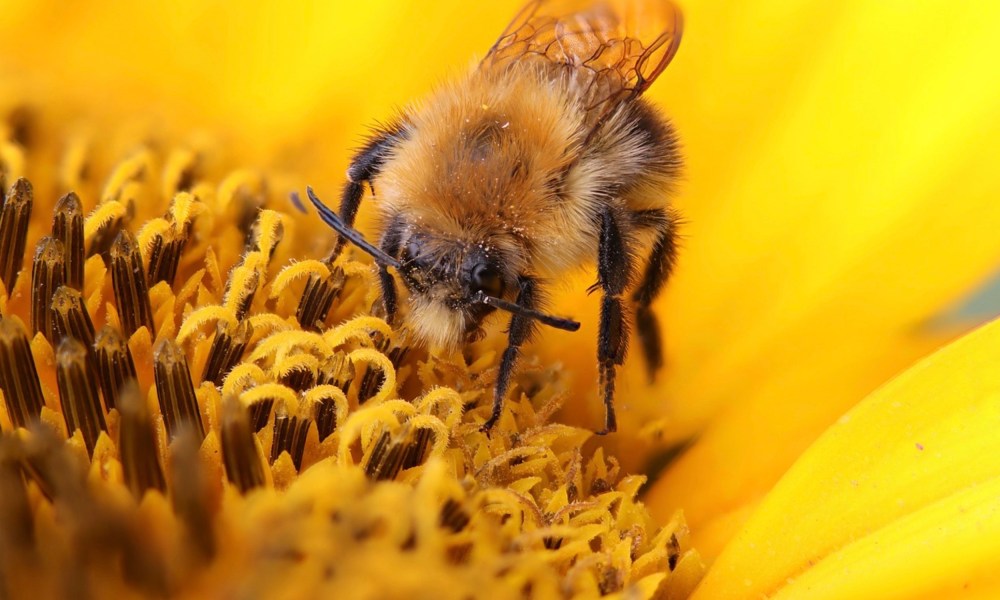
x=614, y=273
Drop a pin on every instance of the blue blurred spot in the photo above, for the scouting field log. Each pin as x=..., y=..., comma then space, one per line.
x=977, y=307
x=297, y=201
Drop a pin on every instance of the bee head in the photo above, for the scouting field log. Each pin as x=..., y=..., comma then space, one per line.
x=447, y=280
x=454, y=283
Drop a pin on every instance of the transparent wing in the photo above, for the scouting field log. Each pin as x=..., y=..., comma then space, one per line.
x=614, y=50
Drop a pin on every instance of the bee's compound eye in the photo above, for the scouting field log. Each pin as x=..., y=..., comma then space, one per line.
x=411, y=251
x=486, y=278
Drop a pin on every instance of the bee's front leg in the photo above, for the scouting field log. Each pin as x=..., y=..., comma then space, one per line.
x=365, y=166
x=520, y=330
x=390, y=244
x=614, y=273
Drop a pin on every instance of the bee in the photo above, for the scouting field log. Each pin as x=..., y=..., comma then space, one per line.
x=544, y=158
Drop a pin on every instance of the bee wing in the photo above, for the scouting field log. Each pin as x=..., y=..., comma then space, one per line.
x=614, y=49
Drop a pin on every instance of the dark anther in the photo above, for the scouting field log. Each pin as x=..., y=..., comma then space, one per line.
x=227, y=349
x=175, y=391
x=67, y=227
x=18, y=378
x=259, y=413
x=190, y=493
x=48, y=273
x=137, y=444
x=318, y=297
x=115, y=366
x=325, y=415
x=165, y=252
x=290, y=435
x=70, y=317
x=239, y=450
x=14, y=217
x=129, y=282
x=81, y=405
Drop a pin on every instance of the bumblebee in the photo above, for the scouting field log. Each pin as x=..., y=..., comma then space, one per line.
x=543, y=159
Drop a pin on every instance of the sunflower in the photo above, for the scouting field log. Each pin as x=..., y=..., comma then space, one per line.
x=199, y=401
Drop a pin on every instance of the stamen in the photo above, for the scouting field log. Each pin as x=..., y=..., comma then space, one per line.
x=244, y=207
x=67, y=227
x=266, y=232
x=325, y=415
x=70, y=317
x=18, y=377
x=17, y=524
x=299, y=379
x=137, y=443
x=115, y=367
x=46, y=461
x=417, y=448
x=318, y=297
x=165, y=252
x=22, y=126
x=81, y=406
x=190, y=493
x=453, y=516
x=129, y=282
x=336, y=370
x=48, y=273
x=674, y=552
x=259, y=413
x=239, y=451
x=241, y=287
x=227, y=349
x=106, y=234
x=289, y=436
x=178, y=404
x=385, y=459
x=373, y=378
x=14, y=217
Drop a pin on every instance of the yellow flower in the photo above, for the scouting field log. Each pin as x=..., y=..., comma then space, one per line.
x=898, y=499
x=839, y=194
x=173, y=383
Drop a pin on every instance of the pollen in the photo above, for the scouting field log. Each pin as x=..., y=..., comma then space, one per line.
x=204, y=404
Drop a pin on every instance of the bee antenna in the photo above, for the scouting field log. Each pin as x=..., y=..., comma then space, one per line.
x=349, y=233
x=550, y=320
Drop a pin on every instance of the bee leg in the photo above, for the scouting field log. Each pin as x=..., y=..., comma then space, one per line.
x=365, y=166
x=518, y=333
x=387, y=287
x=614, y=272
x=658, y=268
x=390, y=244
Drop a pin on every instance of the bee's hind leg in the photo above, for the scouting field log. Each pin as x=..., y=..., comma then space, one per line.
x=658, y=268
x=615, y=268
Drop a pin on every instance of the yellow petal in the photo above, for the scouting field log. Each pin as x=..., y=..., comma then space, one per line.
x=897, y=499
x=867, y=208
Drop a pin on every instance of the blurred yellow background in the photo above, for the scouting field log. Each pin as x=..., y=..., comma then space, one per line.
x=276, y=74
x=840, y=192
